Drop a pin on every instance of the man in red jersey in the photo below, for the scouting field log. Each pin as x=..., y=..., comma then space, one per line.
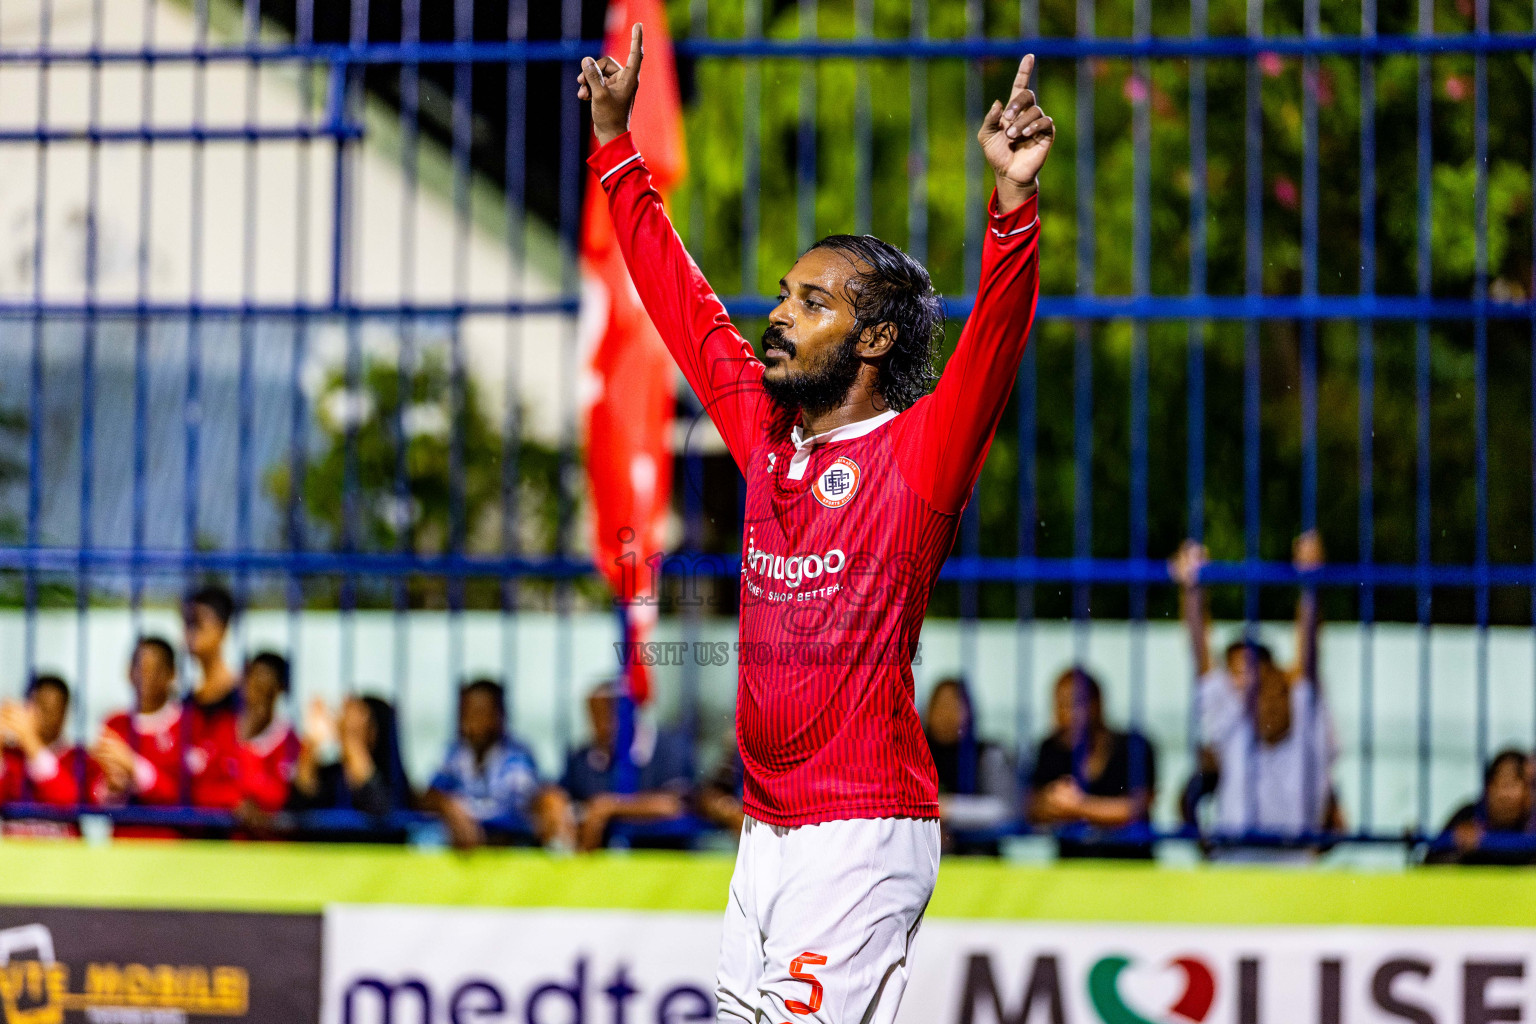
x=36, y=764
x=856, y=478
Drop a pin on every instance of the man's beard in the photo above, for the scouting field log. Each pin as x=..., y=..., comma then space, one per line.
x=815, y=390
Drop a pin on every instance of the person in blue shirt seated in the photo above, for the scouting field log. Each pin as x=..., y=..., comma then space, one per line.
x=491, y=778
x=663, y=762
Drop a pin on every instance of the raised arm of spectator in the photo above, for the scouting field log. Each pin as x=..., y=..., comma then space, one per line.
x=1185, y=568
x=319, y=733
x=1306, y=555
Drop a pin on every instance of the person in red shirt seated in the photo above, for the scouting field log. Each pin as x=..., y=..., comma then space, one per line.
x=151, y=756
x=36, y=766
x=267, y=746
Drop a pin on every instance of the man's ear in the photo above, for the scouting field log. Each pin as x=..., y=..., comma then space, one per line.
x=877, y=340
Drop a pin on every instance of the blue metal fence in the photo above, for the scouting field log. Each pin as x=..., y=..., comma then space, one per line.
x=983, y=37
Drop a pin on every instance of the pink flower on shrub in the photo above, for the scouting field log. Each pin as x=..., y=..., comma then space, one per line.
x=1272, y=64
x=1135, y=89
x=1285, y=192
x=1457, y=87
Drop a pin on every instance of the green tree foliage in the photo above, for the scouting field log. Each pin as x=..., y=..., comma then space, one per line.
x=388, y=442
x=949, y=200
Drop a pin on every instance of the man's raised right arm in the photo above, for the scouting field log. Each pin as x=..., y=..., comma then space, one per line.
x=718, y=362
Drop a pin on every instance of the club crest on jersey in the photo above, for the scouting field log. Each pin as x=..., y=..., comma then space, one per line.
x=838, y=483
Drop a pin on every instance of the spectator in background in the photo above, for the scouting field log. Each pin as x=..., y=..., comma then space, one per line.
x=719, y=797
x=1271, y=716
x=36, y=765
x=368, y=774
x=976, y=778
x=206, y=614
x=1221, y=688
x=1495, y=828
x=1275, y=763
x=663, y=765
x=489, y=777
x=143, y=752
x=268, y=748
x=1088, y=774
x=212, y=704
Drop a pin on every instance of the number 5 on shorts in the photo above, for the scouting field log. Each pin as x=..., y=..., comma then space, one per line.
x=799, y=973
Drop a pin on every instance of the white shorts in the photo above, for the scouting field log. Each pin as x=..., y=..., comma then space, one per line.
x=821, y=920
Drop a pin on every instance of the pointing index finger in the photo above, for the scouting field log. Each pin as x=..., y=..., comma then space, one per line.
x=636, y=47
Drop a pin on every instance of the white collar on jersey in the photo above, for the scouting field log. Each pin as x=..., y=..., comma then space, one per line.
x=157, y=721
x=848, y=431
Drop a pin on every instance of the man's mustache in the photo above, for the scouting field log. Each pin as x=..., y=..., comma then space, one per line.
x=773, y=337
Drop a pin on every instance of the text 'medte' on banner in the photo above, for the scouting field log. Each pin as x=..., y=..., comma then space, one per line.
x=67, y=965
x=400, y=965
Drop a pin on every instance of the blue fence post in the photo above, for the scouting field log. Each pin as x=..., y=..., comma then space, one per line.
x=917, y=139
x=1253, y=274
x=572, y=174
x=805, y=149
x=1424, y=594
x=1141, y=285
x=512, y=433
x=1082, y=353
x=1365, y=333
x=1480, y=382
x=1024, y=591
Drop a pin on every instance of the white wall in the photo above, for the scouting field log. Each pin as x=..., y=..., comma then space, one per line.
x=261, y=214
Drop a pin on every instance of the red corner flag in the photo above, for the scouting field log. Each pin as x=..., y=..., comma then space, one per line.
x=628, y=373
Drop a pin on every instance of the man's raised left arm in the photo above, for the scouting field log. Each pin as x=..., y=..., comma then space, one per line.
x=942, y=447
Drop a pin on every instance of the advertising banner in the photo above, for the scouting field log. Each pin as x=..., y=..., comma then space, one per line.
x=97, y=966
x=398, y=965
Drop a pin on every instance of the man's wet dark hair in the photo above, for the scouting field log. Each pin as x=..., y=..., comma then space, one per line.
x=161, y=645
x=277, y=664
x=491, y=688
x=888, y=286
x=46, y=681
x=216, y=599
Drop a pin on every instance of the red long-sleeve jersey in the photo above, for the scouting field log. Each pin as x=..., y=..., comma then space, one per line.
x=53, y=777
x=265, y=764
x=183, y=757
x=845, y=531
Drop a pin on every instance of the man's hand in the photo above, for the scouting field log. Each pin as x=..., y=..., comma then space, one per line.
x=611, y=89
x=464, y=830
x=18, y=726
x=1015, y=139
x=1184, y=567
x=1307, y=552
x=116, y=759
